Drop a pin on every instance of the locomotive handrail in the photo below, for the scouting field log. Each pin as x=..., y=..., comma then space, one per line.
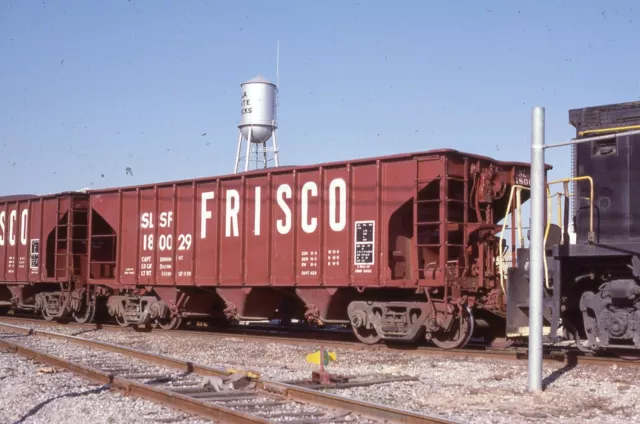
x=591, y=235
x=517, y=189
x=560, y=214
x=546, y=232
x=519, y=217
x=504, y=224
x=550, y=196
x=519, y=225
x=601, y=130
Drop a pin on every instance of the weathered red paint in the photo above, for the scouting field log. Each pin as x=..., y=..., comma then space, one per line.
x=160, y=228
x=328, y=230
x=24, y=222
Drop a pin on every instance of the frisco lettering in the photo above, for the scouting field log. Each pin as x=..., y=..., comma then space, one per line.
x=337, y=219
x=13, y=221
x=337, y=197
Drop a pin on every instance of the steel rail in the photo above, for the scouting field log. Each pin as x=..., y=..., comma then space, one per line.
x=293, y=340
x=195, y=406
x=176, y=400
x=550, y=354
x=157, y=359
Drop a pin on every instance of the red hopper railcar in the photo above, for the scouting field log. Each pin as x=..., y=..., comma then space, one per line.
x=400, y=247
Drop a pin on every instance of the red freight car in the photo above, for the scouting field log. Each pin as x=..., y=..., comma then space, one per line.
x=397, y=246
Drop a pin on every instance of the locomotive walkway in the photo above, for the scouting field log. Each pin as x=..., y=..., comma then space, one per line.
x=200, y=390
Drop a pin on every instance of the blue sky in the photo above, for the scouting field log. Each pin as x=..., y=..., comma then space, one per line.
x=89, y=88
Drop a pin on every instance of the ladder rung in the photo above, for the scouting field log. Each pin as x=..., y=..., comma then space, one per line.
x=455, y=200
x=455, y=245
x=429, y=245
x=103, y=236
x=461, y=179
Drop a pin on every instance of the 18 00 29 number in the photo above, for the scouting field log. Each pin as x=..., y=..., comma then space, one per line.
x=165, y=242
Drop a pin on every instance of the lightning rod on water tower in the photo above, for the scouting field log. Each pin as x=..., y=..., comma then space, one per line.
x=257, y=124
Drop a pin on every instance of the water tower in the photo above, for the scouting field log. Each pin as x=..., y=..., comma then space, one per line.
x=257, y=124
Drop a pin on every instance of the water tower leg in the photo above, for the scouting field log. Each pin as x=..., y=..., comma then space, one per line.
x=246, y=159
x=275, y=149
x=235, y=170
x=264, y=153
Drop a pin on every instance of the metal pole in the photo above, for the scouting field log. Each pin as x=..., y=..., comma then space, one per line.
x=536, y=249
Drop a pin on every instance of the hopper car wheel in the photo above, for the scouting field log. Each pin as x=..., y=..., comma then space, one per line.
x=169, y=324
x=86, y=315
x=459, y=335
x=121, y=321
x=367, y=336
x=46, y=315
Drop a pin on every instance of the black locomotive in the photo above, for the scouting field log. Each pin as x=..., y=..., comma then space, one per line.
x=592, y=286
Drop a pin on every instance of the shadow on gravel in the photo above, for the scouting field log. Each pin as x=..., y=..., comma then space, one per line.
x=41, y=405
x=77, y=333
x=554, y=376
x=12, y=336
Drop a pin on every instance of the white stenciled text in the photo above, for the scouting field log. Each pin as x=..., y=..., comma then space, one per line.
x=161, y=239
x=337, y=205
x=12, y=225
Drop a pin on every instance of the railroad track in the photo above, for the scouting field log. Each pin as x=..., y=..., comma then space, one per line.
x=204, y=391
x=550, y=355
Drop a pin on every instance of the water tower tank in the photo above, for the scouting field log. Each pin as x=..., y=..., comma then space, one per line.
x=258, y=109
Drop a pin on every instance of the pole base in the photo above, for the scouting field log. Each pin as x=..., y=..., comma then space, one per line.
x=323, y=377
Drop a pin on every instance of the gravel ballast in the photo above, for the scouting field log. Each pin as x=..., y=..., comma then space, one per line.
x=474, y=390
x=260, y=403
x=32, y=393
